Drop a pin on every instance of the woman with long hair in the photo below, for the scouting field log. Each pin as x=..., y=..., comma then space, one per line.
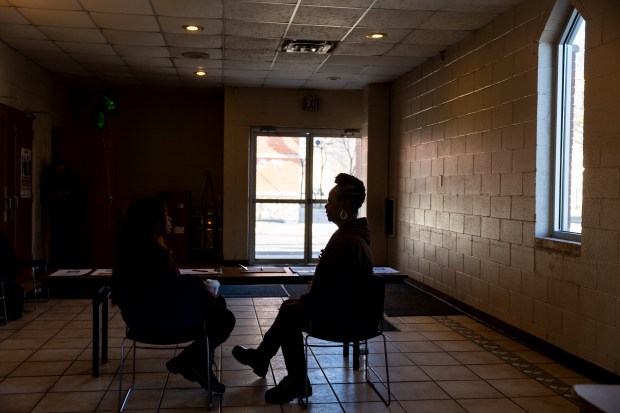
x=143, y=270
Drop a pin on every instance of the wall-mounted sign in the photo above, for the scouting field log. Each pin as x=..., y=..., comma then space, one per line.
x=311, y=103
x=25, y=181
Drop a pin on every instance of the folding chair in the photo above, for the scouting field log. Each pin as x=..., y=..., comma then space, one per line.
x=348, y=310
x=171, y=320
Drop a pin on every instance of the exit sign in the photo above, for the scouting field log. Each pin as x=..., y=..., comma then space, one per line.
x=311, y=103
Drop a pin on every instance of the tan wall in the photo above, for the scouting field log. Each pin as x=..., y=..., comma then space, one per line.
x=167, y=142
x=465, y=137
x=248, y=107
x=27, y=87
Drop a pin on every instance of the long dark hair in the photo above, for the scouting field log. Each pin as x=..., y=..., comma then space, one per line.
x=142, y=232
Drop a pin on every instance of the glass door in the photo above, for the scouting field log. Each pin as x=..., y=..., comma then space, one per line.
x=293, y=172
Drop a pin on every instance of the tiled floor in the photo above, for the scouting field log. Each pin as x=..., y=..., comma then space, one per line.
x=437, y=364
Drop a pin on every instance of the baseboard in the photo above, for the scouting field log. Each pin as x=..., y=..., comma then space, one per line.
x=578, y=364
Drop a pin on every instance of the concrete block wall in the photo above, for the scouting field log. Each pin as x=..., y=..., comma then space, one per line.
x=467, y=167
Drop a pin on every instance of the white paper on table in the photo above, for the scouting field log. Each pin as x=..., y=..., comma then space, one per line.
x=384, y=270
x=70, y=272
x=102, y=271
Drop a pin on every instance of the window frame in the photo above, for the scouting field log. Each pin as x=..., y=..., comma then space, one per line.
x=563, y=130
x=310, y=201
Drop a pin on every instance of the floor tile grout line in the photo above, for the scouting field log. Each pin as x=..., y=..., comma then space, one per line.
x=541, y=376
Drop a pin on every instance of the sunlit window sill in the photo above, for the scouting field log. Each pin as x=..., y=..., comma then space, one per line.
x=557, y=245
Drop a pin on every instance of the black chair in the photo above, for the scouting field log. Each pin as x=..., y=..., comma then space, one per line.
x=167, y=321
x=348, y=310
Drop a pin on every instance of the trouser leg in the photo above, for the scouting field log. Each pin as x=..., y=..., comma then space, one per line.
x=286, y=332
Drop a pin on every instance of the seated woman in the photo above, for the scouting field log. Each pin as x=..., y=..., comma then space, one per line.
x=144, y=267
x=347, y=254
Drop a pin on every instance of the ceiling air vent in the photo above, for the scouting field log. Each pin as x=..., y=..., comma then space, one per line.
x=308, y=46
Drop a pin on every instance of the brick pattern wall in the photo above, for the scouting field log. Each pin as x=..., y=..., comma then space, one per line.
x=465, y=140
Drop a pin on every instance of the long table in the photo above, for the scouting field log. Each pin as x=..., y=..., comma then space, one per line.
x=99, y=281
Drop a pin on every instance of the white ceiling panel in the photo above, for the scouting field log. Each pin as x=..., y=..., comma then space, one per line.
x=202, y=9
x=21, y=31
x=138, y=23
x=118, y=6
x=134, y=38
x=47, y=4
x=134, y=43
x=64, y=34
x=58, y=18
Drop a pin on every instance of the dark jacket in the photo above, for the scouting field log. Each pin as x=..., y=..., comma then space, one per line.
x=348, y=251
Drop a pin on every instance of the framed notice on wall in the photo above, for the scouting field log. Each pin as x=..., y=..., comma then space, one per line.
x=25, y=180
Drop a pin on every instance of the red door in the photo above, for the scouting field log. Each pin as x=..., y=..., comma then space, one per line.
x=16, y=179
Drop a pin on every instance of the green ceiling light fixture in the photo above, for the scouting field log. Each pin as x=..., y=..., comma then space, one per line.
x=107, y=103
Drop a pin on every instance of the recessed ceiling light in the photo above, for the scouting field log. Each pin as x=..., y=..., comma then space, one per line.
x=200, y=72
x=192, y=27
x=376, y=35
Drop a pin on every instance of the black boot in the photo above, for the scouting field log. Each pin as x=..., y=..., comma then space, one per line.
x=289, y=389
x=253, y=358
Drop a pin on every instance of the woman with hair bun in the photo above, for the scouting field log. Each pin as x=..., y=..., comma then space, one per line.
x=347, y=254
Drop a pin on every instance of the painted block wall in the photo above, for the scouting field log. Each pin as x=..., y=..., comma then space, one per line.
x=467, y=148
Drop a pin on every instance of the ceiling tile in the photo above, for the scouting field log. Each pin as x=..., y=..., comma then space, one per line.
x=327, y=16
x=398, y=19
x=290, y=75
x=89, y=48
x=31, y=45
x=263, y=30
x=21, y=31
x=341, y=69
x=240, y=64
x=258, y=12
x=483, y=6
x=202, y=63
x=424, y=50
x=448, y=20
x=56, y=56
x=295, y=66
x=249, y=55
x=339, y=3
x=146, y=69
x=10, y=15
x=305, y=32
x=248, y=43
x=148, y=61
x=57, y=66
x=412, y=4
x=48, y=4
x=142, y=51
x=362, y=49
x=191, y=40
x=131, y=22
x=445, y=37
x=134, y=38
x=352, y=60
x=400, y=61
x=97, y=59
x=74, y=35
x=58, y=18
x=188, y=8
x=118, y=6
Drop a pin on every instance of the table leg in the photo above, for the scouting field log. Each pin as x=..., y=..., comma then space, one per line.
x=104, y=324
x=96, y=302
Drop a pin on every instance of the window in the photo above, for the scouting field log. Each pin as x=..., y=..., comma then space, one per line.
x=292, y=174
x=569, y=130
